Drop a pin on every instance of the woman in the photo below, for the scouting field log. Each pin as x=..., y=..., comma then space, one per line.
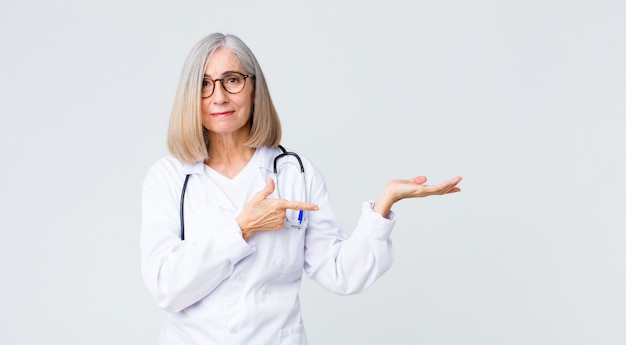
x=226, y=262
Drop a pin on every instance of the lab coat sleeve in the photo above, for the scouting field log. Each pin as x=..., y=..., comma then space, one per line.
x=180, y=273
x=346, y=265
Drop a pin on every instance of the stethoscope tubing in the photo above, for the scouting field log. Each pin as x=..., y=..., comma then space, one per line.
x=284, y=154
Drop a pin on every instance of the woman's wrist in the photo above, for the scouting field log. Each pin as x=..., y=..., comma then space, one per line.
x=384, y=203
x=245, y=231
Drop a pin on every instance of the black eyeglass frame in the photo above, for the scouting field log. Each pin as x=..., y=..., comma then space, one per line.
x=221, y=80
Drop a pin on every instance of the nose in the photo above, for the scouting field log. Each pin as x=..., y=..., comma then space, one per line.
x=219, y=95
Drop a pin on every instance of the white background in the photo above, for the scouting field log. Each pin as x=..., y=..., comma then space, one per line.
x=525, y=99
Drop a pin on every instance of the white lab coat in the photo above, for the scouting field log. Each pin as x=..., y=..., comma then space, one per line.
x=218, y=288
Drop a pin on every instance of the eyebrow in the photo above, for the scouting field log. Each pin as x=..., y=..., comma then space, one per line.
x=223, y=73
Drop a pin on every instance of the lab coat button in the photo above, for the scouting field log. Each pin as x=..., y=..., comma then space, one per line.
x=234, y=330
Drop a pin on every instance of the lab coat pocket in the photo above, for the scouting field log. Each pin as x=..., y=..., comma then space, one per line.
x=289, y=250
x=293, y=336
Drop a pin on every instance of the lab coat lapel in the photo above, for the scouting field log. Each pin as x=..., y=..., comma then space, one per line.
x=214, y=195
x=266, y=170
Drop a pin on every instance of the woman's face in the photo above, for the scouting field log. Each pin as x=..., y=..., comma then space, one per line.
x=223, y=112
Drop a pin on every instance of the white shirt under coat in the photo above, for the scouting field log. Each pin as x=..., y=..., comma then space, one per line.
x=217, y=288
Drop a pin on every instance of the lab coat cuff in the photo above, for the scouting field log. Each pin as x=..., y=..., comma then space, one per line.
x=377, y=226
x=235, y=247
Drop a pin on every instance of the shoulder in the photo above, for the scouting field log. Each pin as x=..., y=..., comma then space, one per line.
x=293, y=155
x=165, y=165
x=170, y=169
x=302, y=155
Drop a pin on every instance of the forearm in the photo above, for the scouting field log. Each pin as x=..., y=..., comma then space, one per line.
x=179, y=273
x=349, y=265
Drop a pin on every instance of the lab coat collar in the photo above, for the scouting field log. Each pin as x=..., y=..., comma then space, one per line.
x=265, y=161
x=193, y=168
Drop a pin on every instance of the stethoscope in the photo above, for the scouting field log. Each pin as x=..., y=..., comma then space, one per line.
x=299, y=223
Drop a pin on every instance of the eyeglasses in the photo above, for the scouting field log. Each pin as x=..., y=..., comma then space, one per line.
x=232, y=82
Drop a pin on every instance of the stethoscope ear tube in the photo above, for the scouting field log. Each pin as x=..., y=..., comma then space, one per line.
x=285, y=153
x=182, y=212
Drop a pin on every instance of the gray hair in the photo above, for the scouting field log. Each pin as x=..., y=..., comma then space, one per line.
x=187, y=139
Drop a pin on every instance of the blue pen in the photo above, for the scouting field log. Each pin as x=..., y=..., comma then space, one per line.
x=300, y=217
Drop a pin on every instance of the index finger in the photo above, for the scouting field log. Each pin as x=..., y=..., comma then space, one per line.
x=449, y=186
x=456, y=180
x=450, y=183
x=297, y=205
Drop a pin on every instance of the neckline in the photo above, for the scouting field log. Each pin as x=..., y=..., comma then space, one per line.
x=241, y=174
